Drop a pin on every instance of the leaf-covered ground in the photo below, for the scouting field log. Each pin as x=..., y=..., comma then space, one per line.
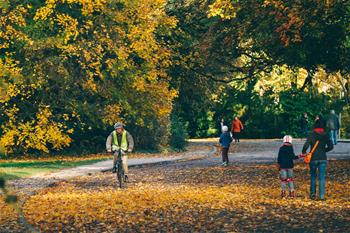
x=196, y=196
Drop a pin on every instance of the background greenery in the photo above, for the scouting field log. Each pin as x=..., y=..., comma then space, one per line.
x=169, y=69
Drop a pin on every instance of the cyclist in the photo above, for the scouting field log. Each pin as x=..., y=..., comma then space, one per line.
x=120, y=139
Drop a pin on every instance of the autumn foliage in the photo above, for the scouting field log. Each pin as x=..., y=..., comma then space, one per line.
x=70, y=69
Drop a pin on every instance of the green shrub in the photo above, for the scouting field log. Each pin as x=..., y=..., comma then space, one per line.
x=178, y=134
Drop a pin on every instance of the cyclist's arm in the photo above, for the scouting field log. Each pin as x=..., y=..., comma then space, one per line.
x=130, y=140
x=109, y=143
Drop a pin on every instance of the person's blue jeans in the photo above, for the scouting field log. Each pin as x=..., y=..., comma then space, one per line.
x=318, y=166
x=334, y=133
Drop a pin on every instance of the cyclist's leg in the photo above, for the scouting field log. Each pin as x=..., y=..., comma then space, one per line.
x=115, y=158
x=125, y=164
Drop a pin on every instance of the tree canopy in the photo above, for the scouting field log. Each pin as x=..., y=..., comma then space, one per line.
x=69, y=69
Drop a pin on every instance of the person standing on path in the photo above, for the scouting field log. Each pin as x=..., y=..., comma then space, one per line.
x=304, y=122
x=319, y=158
x=120, y=139
x=225, y=141
x=236, y=128
x=333, y=126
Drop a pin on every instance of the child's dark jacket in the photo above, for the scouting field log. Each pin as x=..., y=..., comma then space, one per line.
x=286, y=156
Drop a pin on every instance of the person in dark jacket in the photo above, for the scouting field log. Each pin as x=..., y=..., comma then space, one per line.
x=285, y=163
x=319, y=158
x=225, y=141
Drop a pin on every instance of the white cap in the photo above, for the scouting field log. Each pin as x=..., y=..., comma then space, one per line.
x=224, y=128
x=288, y=139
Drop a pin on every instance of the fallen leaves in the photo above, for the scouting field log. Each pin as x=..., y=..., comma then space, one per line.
x=183, y=198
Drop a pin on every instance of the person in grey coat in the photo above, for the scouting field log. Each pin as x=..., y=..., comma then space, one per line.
x=333, y=126
x=120, y=139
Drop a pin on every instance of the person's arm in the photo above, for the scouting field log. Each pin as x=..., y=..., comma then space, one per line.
x=241, y=125
x=338, y=124
x=306, y=145
x=220, y=140
x=109, y=143
x=293, y=154
x=130, y=140
x=329, y=144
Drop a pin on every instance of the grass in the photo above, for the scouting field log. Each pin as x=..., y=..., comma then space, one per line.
x=19, y=169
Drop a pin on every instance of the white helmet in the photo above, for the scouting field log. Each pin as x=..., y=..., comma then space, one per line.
x=224, y=128
x=118, y=125
x=287, y=139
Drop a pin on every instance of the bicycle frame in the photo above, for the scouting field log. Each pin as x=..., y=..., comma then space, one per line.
x=120, y=169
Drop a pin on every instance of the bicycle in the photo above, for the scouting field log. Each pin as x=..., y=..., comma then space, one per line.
x=120, y=169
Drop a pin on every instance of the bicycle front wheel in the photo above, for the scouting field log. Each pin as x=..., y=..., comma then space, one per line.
x=120, y=175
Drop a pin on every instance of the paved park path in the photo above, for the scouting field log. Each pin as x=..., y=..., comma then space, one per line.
x=265, y=151
x=34, y=183
x=246, y=151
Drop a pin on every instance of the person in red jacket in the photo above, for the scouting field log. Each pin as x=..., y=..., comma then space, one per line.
x=236, y=128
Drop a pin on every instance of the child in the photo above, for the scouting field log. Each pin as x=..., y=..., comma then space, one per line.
x=225, y=140
x=285, y=161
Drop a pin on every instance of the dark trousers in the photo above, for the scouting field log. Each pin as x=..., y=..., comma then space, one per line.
x=225, y=154
x=236, y=135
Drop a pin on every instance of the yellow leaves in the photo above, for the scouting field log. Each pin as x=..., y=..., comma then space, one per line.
x=90, y=84
x=44, y=12
x=36, y=134
x=222, y=8
x=88, y=7
x=111, y=114
x=70, y=26
x=9, y=24
x=100, y=46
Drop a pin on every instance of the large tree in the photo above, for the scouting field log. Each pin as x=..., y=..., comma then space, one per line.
x=70, y=69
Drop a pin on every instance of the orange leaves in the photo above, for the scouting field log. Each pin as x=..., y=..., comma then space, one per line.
x=158, y=199
x=289, y=19
x=241, y=198
x=8, y=213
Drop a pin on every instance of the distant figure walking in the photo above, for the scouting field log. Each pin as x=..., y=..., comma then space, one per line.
x=333, y=126
x=225, y=140
x=236, y=128
x=304, y=125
